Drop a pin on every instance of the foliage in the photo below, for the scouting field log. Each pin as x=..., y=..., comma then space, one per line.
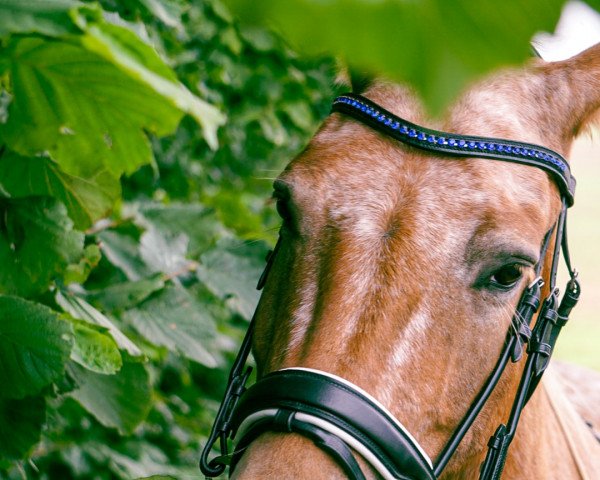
x=435, y=45
x=126, y=206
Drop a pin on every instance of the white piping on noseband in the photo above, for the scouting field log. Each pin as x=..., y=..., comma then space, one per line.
x=334, y=430
x=328, y=427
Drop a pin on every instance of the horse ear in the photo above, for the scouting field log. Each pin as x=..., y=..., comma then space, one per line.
x=571, y=93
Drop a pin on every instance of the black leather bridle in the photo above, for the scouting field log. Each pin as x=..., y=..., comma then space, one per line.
x=340, y=417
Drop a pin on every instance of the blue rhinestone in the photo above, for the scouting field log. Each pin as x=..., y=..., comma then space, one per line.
x=517, y=150
x=374, y=113
x=462, y=143
x=481, y=145
x=538, y=154
x=472, y=145
x=396, y=126
x=508, y=148
x=452, y=142
x=500, y=148
x=441, y=141
x=403, y=129
x=381, y=117
x=388, y=121
x=421, y=136
x=492, y=147
x=353, y=103
x=431, y=139
x=412, y=133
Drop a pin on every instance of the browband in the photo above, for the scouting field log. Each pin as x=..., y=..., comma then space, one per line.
x=386, y=122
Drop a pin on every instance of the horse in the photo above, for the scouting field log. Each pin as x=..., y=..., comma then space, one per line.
x=398, y=274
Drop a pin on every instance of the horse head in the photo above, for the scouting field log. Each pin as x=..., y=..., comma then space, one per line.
x=399, y=270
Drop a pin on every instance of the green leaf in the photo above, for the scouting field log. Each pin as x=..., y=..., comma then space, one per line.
x=120, y=401
x=80, y=309
x=198, y=223
x=94, y=349
x=125, y=295
x=87, y=198
x=172, y=318
x=168, y=11
x=231, y=271
x=122, y=251
x=86, y=112
x=125, y=50
x=164, y=253
x=21, y=424
x=148, y=462
x=434, y=45
x=35, y=343
x=79, y=272
x=36, y=243
x=48, y=17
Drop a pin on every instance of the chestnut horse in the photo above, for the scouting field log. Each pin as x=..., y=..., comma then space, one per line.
x=400, y=270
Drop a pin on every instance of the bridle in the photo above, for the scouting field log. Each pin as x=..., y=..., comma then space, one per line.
x=339, y=416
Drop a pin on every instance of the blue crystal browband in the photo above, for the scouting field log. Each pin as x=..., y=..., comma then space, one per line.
x=379, y=118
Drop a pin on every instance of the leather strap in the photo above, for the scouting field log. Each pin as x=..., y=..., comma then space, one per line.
x=342, y=405
x=377, y=117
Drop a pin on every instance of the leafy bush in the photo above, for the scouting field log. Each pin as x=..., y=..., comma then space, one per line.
x=137, y=139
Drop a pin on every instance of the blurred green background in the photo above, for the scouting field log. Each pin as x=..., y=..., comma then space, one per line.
x=580, y=340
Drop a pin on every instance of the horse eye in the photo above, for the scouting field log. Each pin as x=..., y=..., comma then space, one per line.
x=507, y=276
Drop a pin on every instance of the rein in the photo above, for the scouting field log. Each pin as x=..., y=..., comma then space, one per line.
x=340, y=417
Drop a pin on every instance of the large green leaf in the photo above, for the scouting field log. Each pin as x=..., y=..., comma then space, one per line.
x=36, y=243
x=95, y=349
x=34, y=346
x=172, y=318
x=435, y=45
x=80, y=309
x=87, y=198
x=231, y=271
x=87, y=112
x=48, y=17
x=125, y=50
x=120, y=401
x=20, y=425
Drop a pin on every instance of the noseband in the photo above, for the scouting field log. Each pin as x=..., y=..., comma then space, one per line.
x=339, y=416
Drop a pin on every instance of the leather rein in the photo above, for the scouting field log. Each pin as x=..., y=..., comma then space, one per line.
x=340, y=417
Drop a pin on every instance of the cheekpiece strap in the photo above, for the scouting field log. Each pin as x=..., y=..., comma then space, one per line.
x=377, y=117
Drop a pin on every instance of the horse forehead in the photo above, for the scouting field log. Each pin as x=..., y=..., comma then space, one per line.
x=358, y=175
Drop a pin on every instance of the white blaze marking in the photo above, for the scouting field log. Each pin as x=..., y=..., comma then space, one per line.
x=409, y=336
